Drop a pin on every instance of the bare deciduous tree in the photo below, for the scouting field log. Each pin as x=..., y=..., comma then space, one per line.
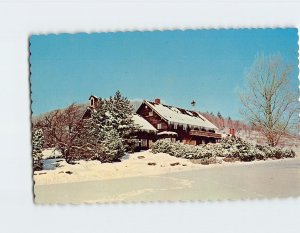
x=269, y=101
x=61, y=128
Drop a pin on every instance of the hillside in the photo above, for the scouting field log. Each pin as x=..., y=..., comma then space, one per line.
x=247, y=132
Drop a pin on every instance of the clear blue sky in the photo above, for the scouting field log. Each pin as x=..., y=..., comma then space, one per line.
x=176, y=66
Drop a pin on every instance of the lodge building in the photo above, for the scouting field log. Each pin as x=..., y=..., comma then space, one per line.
x=157, y=121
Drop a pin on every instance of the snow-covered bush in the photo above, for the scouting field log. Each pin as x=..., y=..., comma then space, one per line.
x=245, y=151
x=181, y=150
x=216, y=149
x=163, y=146
x=259, y=154
x=231, y=148
x=289, y=153
x=37, y=146
x=275, y=152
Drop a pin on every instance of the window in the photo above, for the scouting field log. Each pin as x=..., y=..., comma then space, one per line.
x=144, y=142
x=175, y=126
x=151, y=113
x=159, y=126
x=92, y=102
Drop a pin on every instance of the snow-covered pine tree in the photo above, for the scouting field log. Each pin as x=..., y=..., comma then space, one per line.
x=102, y=133
x=121, y=114
x=109, y=128
x=93, y=133
x=37, y=146
x=112, y=148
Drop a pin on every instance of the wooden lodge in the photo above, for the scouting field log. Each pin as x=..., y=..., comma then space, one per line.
x=177, y=124
x=157, y=121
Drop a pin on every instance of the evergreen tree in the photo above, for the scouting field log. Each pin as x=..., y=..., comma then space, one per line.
x=120, y=116
x=109, y=131
x=112, y=148
x=37, y=146
x=219, y=115
x=126, y=126
x=220, y=120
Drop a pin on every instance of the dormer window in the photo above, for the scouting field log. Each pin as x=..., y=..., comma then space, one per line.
x=159, y=126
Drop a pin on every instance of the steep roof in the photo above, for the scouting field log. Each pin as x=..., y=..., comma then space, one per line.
x=93, y=96
x=180, y=116
x=144, y=124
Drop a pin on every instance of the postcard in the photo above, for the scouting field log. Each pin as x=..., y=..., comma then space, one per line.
x=178, y=115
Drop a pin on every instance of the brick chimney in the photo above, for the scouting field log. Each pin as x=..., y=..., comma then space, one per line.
x=157, y=101
x=231, y=132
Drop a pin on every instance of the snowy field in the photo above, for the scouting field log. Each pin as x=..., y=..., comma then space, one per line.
x=136, y=181
x=136, y=164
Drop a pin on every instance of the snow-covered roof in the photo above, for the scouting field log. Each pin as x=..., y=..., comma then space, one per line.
x=180, y=116
x=93, y=96
x=167, y=133
x=143, y=124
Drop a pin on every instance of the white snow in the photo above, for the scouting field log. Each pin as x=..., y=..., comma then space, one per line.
x=167, y=133
x=144, y=124
x=135, y=165
x=191, y=114
x=175, y=116
x=51, y=152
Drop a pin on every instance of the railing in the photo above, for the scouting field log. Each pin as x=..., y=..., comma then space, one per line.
x=204, y=134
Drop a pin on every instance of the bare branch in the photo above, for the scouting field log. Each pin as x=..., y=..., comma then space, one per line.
x=269, y=102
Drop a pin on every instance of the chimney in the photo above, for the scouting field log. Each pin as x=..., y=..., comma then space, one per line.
x=157, y=101
x=231, y=132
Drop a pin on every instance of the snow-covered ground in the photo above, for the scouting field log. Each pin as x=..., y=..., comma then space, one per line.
x=136, y=164
x=51, y=153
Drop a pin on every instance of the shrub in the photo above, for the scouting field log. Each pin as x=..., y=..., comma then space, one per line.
x=181, y=150
x=37, y=145
x=161, y=146
x=245, y=151
x=289, y=153
x=231, y=148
